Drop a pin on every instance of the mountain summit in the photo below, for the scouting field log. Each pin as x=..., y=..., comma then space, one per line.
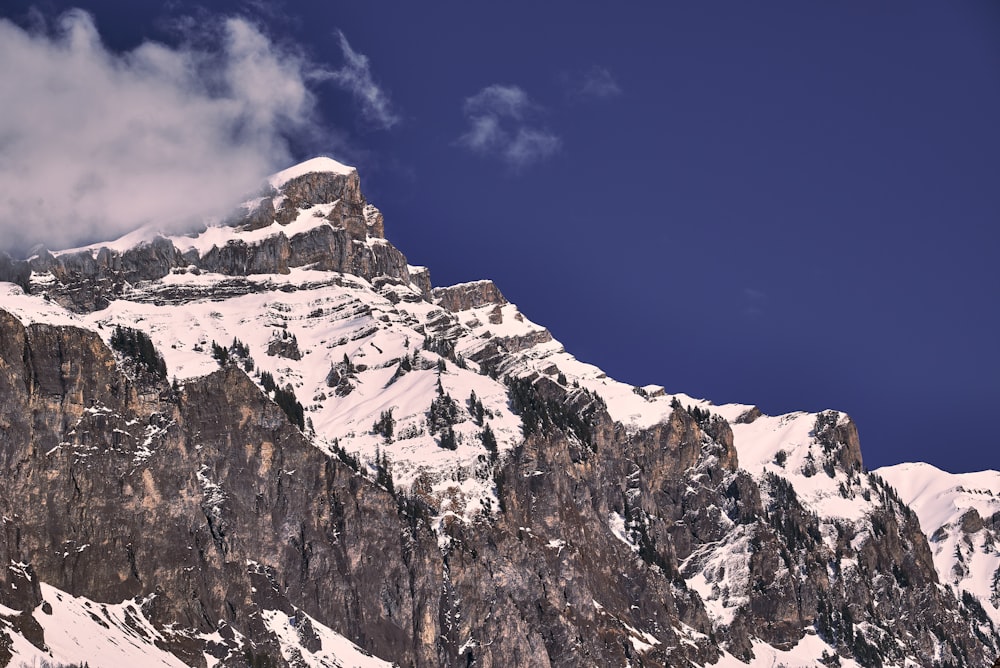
x=273, y=442
x=311, y=215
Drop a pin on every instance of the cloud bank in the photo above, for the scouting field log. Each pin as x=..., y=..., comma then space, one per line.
x=95, y=143
x=498, y=127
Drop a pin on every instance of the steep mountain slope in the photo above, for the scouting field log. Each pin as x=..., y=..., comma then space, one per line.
x=960, y=513
x=261, y=443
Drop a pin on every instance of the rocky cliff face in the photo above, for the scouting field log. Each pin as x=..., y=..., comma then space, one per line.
x=424, y=473
x=191, y=500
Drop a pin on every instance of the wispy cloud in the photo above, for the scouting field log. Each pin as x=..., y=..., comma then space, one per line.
x=356, y=78
x=596, y=83
x=94, y=143
x=498, y=126
x=530, y=145
x=484, y=134
x=498, y=100
x=599, y=82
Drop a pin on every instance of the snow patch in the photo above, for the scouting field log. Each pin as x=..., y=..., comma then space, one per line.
x=335, y=649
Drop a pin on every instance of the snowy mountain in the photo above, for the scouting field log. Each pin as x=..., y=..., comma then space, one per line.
x=274, y=442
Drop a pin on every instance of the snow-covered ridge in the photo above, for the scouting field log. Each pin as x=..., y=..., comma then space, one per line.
x=214, y=234
x=133, y=239
x=939, y=497
x=960, y=513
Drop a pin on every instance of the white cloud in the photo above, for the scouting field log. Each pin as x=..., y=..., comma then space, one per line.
x=497, y=127
x=499, y=101
x=356, y=78
x=484, y=133
x=530, y=145
x=599, y=82
x=94, y=143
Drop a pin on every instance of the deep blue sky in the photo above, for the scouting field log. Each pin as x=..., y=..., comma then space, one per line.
x=789, y=204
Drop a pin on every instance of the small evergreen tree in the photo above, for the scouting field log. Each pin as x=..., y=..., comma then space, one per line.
x=442, y=415
x=448, y=440
x=220, y=354
x=384, y=425
x=476, y=409
x=489, y=441
x=239, y=349
x=383, y=471
x=267, y=381
x=345, y=456
x=286, y=400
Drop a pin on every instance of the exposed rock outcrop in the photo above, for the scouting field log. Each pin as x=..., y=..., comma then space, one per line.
x=283, y=345
x=465, y=296
x=421, y=277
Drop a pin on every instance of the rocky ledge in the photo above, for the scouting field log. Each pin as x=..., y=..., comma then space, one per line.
x=465, y=296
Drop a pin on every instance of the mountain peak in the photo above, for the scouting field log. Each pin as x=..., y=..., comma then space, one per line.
x=319, y=164
x=312, y=215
